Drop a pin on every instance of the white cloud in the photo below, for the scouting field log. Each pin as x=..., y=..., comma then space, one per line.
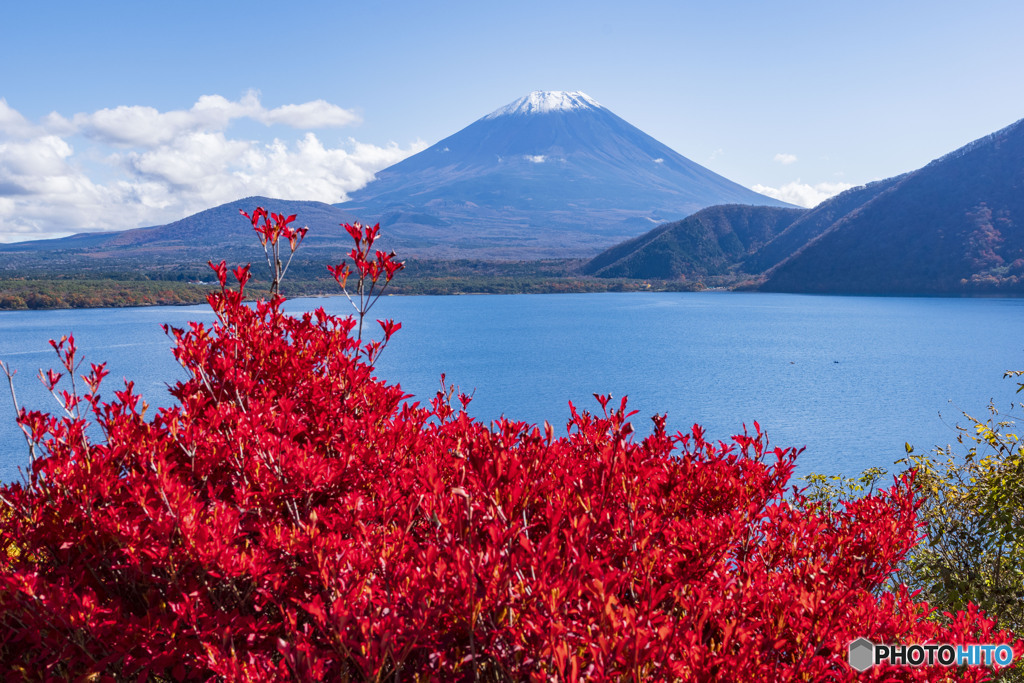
x=192, y=159
x=803, y=194
x=785, y=159
x=12, y=123
x=535, y=158
x=147, y=127
x=316, y=114
x=42, y=157
x=142, y=126
x=129, y=166
x=659, y=160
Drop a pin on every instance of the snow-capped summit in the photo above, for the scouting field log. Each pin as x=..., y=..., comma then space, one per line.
x=546, y=102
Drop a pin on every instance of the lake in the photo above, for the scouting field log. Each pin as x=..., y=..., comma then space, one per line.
x=850, y=378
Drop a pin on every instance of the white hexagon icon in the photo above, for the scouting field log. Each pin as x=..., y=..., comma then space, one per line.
x=862, y=654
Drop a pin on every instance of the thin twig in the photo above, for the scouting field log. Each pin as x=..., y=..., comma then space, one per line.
x=17, y=409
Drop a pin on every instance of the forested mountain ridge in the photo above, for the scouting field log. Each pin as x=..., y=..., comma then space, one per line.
x=814, y=222
x=953, y=227
x=710, y=242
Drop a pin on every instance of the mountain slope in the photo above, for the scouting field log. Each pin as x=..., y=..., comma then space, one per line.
x=553, y=174
x=812, y=223
x=210, y=235
x=955, y=226
x=710, y=242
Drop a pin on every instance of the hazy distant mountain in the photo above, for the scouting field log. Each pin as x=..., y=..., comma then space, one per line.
x=552, y=174
x=955, y=226
x=208, y=235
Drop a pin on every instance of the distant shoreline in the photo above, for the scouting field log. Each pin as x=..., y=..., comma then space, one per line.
x=68, y=294
x=29, y=294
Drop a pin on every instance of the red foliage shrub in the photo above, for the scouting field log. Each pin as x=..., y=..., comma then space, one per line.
x=294, y=518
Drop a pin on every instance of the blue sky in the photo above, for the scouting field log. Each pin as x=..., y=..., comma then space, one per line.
x=120, y=114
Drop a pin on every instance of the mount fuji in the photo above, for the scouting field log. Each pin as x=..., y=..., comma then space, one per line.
x=553, y=174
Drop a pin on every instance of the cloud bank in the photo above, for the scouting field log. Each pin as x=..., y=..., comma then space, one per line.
x=132, y=165
x=803, y=194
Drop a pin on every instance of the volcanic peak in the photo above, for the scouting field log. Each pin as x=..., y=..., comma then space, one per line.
x=546, y=102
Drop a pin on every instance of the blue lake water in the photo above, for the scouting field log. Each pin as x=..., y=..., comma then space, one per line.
x=850, y=378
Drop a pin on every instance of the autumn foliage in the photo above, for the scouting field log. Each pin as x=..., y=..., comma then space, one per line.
x=296, y=517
